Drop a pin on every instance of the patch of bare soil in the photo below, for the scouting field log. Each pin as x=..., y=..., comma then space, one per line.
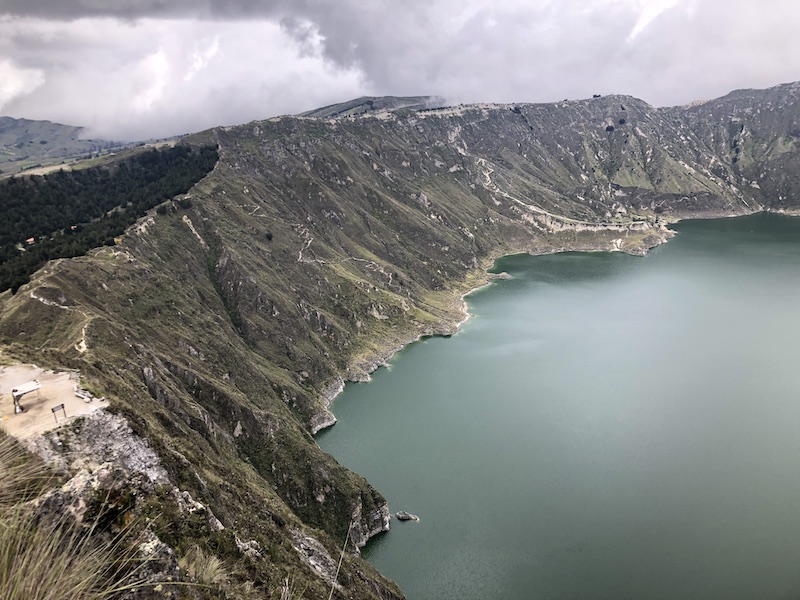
x=53, y=404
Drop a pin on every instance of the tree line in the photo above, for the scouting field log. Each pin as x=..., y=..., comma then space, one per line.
x=67, y=213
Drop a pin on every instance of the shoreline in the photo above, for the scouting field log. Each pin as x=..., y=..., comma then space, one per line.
x=361, y=373
x=612, y=281
x=446, y=328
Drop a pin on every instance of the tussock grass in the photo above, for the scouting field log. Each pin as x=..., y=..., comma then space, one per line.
x=46, y=556
x=22, y=475
x=203, y=568
x=52, y=561
x=287, y=590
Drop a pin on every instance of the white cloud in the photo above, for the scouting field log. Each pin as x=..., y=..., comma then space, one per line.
x=153, y=71
x=650, y=10
x=201, y=56
x=128, y=80
x=17, y=82
x=214, y=63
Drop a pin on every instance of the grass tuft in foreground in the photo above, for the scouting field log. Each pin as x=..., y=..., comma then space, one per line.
x=53, y=557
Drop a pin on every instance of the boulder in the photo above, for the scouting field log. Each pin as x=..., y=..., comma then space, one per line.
x=402, y=515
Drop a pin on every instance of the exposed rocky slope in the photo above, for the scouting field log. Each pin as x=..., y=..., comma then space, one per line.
x=317, y=247
x=365, y=104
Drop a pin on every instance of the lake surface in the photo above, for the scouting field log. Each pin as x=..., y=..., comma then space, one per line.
x=605, y=426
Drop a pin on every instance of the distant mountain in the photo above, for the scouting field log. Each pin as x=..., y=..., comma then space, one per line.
x=25, y=144
x=367, y=104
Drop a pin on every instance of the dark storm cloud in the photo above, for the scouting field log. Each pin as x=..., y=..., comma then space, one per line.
x=155, y=9
x=124, y=9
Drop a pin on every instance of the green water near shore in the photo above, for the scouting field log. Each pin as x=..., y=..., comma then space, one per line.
x=605, y=426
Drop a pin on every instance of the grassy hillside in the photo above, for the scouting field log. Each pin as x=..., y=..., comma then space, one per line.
x=221, y=328
x=25, y=144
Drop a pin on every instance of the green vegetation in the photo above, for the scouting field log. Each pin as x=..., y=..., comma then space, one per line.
x=67, y=213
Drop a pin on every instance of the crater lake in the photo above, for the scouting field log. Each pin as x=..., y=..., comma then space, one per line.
x=604, y=426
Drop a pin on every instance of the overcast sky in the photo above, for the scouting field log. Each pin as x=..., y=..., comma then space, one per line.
x=135, y=69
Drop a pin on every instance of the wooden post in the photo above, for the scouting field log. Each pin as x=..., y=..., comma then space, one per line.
x=55, y=410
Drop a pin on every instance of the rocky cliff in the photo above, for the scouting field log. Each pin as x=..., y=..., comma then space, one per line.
x=318, y=246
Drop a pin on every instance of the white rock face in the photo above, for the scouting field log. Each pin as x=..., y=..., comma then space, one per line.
x=100, y=438
x=366, y=526
x=315, y=554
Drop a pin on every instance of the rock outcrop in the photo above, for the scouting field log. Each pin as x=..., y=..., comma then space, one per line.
x=402, y=515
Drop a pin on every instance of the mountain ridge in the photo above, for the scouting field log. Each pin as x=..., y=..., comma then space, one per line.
x=316, y=247
x=365, y=104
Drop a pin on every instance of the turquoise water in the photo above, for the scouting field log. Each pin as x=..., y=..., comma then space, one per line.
x=605, y=426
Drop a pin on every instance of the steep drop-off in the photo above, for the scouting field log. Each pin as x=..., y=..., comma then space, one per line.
x=316, y=247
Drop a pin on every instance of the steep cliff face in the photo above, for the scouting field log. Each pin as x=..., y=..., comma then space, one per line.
x=316, y=247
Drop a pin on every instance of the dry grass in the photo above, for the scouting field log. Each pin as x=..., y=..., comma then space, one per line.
x=203, y=568
x=47, y=557
x=286, y=590
x=289, y=590
x=41, y=561
x=22, y=476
